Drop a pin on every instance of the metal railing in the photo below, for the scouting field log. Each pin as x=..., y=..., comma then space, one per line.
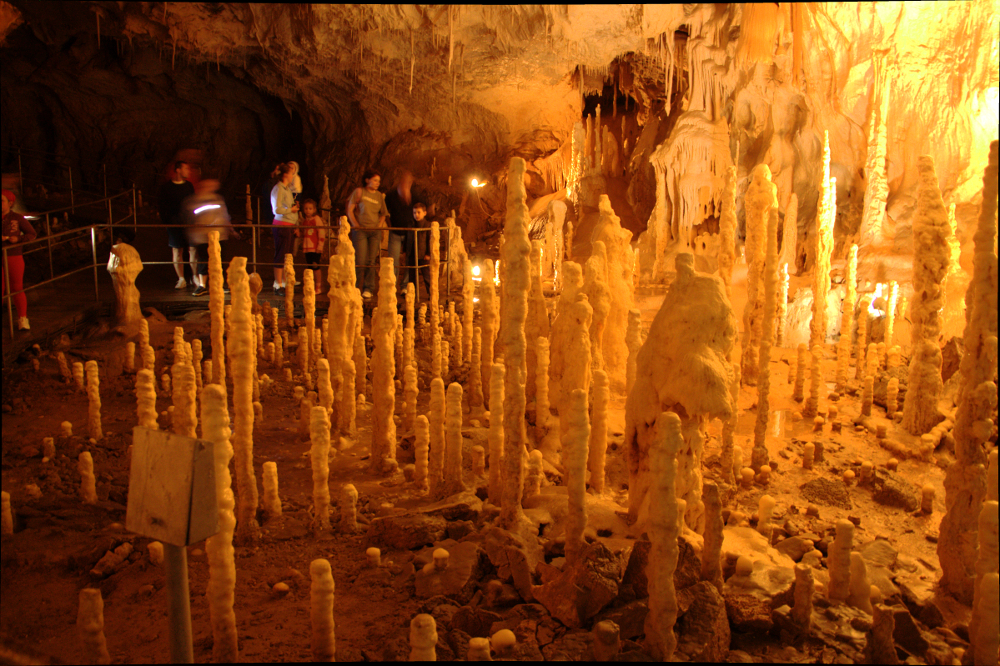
x=51, y=241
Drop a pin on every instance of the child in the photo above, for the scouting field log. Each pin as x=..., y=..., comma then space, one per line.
x=313, y=240
x=423, y=249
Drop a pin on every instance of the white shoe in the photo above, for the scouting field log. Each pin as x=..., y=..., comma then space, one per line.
x=181, y=284
x=22, y=324
x=366, y=295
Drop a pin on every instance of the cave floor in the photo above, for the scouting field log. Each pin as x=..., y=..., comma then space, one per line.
x=57, y=539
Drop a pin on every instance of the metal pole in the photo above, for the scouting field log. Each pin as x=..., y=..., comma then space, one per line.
x=72, y=199
x=135, y=212
x=93, y=249
x=48, y=234
x=178, y=604
x=253, y=240
x=104, y=169
x=10, y=299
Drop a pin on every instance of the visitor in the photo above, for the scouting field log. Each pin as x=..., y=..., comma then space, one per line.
x=16, y=232
x=296, y=188
x=423, y=244
x=172, y=196
x=313, y=237
x=206, y=211
x=366, y=212
x=286, y=218
x=399, y=203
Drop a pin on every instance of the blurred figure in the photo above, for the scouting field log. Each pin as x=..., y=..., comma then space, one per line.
x=366, y=211
x=171, y=201
x=400, y=202
x=286, y=218
x=16, y=232
x=313, y=240
x=206, y=211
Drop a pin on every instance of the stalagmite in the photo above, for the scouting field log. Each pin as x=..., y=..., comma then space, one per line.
x=600, y=394
x=290, y=282
x=383, y=447
x=423, y=638
x=861, y=344
x=129, y=358
x=761, y=196
x=309, y=313
x=727, y=229
x=790, y=233
x=66, y=429
x=930, y=265
x=804, y=590
x=165, y=383
x=349, y=509
x=398, y=345
x=890, y=319
x=599, y=297
x=185, y=421
x=78, y=376
x=468, y=310
x=966, y=483
x=839, y=559
x=826, y=214
x=196, y=358
x=985, y=641
x=409, y=397
x=800, y=373
x=88, y=483
x=445, y=357
x=435, y=322
x=891, y=398
x=515, y=303
x=323, y=386
x=575, y=434
x=6, y=518
x=90, y=624
x=219, y=547
x=663, y=532
x=479, y=650
x=437, y=437
x=272, y=504
x=873, y=218
x=633, y=340
x=421, y=449
x=145, y=393
x=860, y=589
x=618, y=260
x=319, y=455
x=781, y=311
x=64, y=370
x=241, y=345
x=769, y=275
x=453, y=482
x=475, y=373
x=711, y=566
x=94, y=401
x=216, y=305
x=847, y=319
x=496, y=433
x=321, y=596
x=811, y=407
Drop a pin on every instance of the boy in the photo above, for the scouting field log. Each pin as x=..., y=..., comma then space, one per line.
x=423, y=246
x=313, y=240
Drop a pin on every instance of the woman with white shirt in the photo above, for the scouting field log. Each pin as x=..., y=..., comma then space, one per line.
x=286, y=217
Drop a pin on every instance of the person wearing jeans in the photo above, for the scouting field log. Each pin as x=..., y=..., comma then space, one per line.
x=400, y=204
x=16, y=232
x=366, y=211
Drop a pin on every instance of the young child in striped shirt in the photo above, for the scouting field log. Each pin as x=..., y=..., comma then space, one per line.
x=313, y=240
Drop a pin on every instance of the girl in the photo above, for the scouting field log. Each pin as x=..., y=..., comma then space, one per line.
x=313, y=239
x=16, y=232
x=366, y=210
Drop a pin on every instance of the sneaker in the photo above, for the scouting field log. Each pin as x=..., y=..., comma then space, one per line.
x=200, y=291
x=22, y=324
x=280, y=291
x=181, y=284
x=366, y=295
x=225, y=289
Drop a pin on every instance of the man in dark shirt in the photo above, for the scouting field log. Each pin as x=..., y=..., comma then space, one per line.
x=400, y=204
x=172, y=196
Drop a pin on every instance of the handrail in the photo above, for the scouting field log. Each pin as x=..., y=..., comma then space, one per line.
x=59, y=238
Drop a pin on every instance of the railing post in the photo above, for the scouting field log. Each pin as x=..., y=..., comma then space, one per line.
x=135, y=212
x=48, y=236
x=72, y=198
x=10, y=299
x=104, y=170
x=253, y=239
x=93, y=249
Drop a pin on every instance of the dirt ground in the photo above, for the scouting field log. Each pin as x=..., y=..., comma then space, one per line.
x=58, y=539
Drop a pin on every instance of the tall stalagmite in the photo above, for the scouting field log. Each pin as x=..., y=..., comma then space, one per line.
x=241, y=345
x=826, y=215
x=383, y=448
x=873, y=215
x=761, y=196
x=930, y=265
x=759, y=456
x=618, y=266
x=488, y=327
x=515, y=286
x=434, y=266
x=216, y=304
x=575, y=435
x=599, y=296
x=965, y=480
x=600, y=394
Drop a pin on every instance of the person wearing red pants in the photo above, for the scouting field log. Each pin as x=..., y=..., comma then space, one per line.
x=16, y=232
